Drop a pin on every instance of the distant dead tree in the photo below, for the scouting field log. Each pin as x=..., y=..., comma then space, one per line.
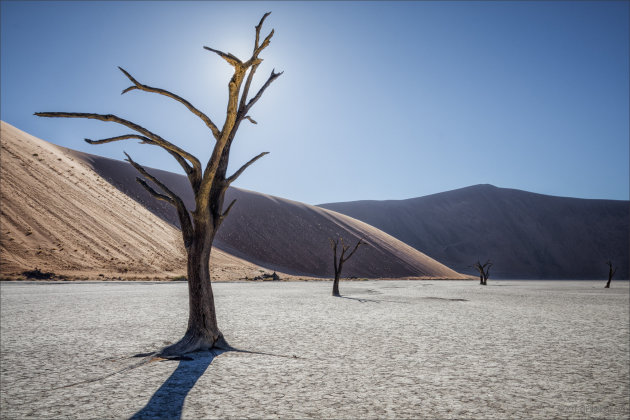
x=611, y=273
x=484, y=271
x=209, y=185
x=338, y=262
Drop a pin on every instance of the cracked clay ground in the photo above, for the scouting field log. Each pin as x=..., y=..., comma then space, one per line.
x=443, y=349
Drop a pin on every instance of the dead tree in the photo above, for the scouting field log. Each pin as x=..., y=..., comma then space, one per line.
x=338, y=263
x=611, y=273
x=209, y=184
x=484, y=271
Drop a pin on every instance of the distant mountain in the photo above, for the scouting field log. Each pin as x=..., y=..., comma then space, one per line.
x=526, y=235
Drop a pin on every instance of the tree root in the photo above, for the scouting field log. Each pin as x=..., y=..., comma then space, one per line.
x=192, y=342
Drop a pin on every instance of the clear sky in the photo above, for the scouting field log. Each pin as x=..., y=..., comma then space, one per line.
x=378, y=100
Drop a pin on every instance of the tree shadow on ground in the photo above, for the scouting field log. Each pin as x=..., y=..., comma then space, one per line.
x=364, y=300
x=168, y=401
x=360, y=300
x=447, y=299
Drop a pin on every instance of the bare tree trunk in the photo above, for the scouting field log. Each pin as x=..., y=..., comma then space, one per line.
x=484, y=272
x=335, y=291
x=202, y=331
x=338, y=263
x=611, y=273
x=209, y=185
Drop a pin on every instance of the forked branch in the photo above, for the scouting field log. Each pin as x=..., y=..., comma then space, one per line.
x=254, y=61
x=191, y=108
x=361, y=242
x=174, y=199
x=264, y=44
x=237, y=110
x=145, y=140
x=258, y=28
x=154, y=193
x=147, y=175
x=155, y=139
x=248, y=82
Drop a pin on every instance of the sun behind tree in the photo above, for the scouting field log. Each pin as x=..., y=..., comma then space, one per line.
x=209, y=185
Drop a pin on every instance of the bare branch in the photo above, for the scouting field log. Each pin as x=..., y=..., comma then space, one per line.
x=258, y=28
x=361, y=242
x=145, y=140
x=251, y=120
x=191, y=108
x=128, y=89
x=271, y=78
x=238, y=173
x=117, y=138
x=248, y=83
x=147, y=175
x=175, y=200
x=254, y=61
x=153, y=192
x=229, y=57
x=236, y=112
x=265, y=44
x=227, y=211
x=155, y=139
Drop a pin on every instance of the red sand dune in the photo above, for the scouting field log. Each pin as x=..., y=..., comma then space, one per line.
x=60, y=216
x=272, y=232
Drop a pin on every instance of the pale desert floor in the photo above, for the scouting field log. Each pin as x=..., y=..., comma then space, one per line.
x=390, y=349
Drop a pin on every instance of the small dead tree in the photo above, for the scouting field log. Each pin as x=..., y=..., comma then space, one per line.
x=611, y=273
x=209, y=185
x=338, y=262
x=484, y=271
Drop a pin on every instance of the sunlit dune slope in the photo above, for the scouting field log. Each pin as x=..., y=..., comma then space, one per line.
x=58, y=215
x=281, y=234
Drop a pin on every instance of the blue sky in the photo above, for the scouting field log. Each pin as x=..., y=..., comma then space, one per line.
x=378, y=100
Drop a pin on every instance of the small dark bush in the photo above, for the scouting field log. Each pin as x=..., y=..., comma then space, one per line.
x=268, y=277
x=38, y=274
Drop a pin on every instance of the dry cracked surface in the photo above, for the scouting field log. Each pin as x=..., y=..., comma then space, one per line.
x=386, y=349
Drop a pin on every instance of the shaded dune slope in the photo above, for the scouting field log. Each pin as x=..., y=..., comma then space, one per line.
x=58, y=215
x=526, y=235
x=281, y=234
